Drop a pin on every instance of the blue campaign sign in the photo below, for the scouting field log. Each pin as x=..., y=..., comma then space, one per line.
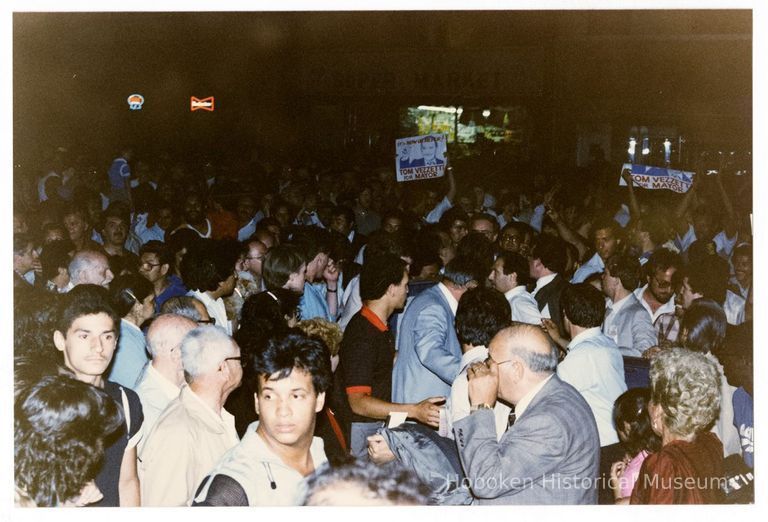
x=657, y=178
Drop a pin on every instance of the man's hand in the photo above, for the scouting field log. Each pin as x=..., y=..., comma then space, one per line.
x=331, y=274
x=651, y=352
x=626, y=175
x=483, y=383
x=428, y=411
x=378, y=450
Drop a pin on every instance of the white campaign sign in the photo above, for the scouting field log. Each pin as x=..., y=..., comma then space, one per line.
x=658, y=178
x=420, y=157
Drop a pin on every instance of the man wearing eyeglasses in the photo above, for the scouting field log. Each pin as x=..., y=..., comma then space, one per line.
x=155, y=262
x=657, y=296
x=551, y=452
x=194, y=430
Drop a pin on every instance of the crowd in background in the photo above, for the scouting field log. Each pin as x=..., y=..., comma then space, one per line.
x=531, y=325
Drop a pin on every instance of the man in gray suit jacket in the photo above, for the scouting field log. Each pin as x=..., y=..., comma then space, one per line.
x=626, y=321
x=550, y=454
x=428, y=351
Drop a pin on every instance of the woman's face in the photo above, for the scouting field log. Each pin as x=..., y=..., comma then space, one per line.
x=655, y=412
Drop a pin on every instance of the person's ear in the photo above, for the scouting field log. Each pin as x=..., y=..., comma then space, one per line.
x=256, y=402
x=59, y=340
x=320, y=402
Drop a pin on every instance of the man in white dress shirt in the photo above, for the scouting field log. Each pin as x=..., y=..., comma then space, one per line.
x=509, y=276
x=163, y=377
x=657, y=296
x=208, y=270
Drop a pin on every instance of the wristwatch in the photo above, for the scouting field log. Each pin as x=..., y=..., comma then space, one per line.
x=481, y=406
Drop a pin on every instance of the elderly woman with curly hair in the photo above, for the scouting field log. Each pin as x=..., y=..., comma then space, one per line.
x=685, y=401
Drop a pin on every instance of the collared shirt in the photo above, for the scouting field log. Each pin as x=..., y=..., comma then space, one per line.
x=664, y=320
x=612, y=310
x=723, y=243
x=595, y=265
x=452, y=302
x=734, y=307
x=144, y=233
x=541, y=283
x=216, y=309
x=155, y=392
x=182, y=448
x=459, y=406
x=523, y=403
x=595, y=367
x=352, y=302
x=313, y=302
x=374, y=319
x=523, y=305
x=130, y=356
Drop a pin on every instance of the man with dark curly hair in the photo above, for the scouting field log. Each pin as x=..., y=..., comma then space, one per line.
x=290, y=376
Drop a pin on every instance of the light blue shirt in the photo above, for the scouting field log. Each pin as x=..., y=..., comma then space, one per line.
x=130, y=356
x=595, y=367
x=313, y=303
x=595, y=265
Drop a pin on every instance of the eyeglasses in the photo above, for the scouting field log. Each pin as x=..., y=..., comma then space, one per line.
x=254, y=257
x=212, y=320
x=151, y=265
x=238, y=358
x=663, y=285
x=491, y=359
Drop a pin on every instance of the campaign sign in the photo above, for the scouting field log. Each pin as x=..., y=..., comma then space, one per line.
x=657, y=178
x=420, y=157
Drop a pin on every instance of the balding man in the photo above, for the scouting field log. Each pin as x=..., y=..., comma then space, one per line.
x=89, y=267
x=550, y=454
x=194, y=430
x=163, y=377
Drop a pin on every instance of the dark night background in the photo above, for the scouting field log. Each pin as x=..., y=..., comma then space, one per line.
x=331, y=83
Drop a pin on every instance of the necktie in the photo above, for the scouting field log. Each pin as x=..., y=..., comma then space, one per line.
x=511, y=419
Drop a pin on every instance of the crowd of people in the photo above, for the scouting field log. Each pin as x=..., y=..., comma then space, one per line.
x=280, y=333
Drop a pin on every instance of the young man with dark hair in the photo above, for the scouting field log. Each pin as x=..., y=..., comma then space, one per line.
x=155, y=263
x=429, y=352
x=606, y=234
x=593, y=365
x=343, y=222
x=284, y=267
x=79, y=230
x=320, y=296
x=545, y=264
x=268, y=466
x=25, y=259
x=367, y=355
x=510, y=277
x=626, y=321
x=208, y=270
x=708, y=277
x=54, y=260
x=86, y=333
x=114, y=232
x=482, y=313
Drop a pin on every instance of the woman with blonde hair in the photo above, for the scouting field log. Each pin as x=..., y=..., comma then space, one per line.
x=685, y=402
